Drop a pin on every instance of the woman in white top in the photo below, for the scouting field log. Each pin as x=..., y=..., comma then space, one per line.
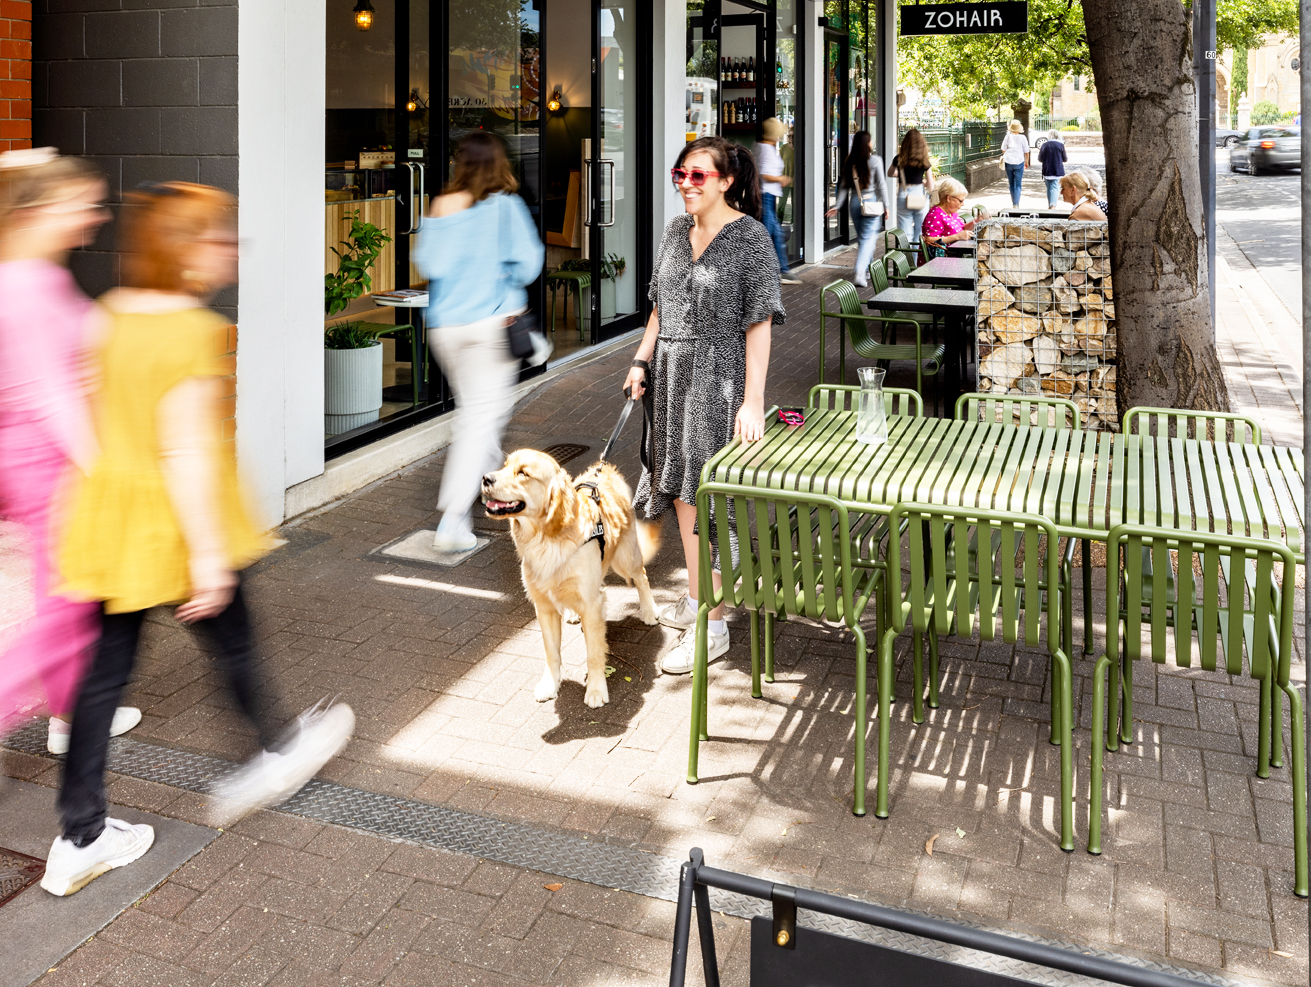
x=1015, y=155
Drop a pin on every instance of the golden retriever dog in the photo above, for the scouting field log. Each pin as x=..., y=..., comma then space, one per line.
x=553, y=521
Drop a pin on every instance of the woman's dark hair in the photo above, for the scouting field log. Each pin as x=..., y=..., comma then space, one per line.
x=735, y=162
x=914, y=151
x=481, y=167
x=857, y=166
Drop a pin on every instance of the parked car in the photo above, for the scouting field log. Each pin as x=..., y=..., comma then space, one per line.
x=1228, y=138
x=1267, y=147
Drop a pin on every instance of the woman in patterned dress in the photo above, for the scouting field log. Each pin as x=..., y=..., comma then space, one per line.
x=716, y=292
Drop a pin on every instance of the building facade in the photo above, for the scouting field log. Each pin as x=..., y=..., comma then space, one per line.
x=320, y=113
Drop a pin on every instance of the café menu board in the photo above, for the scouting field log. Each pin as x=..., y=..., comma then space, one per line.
x=1006, y=17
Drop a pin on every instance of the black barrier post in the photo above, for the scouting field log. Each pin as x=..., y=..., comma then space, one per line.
x=687, y=885
x=705, y=923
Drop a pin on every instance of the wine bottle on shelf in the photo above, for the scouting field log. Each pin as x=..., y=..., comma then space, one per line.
x=751, y=71
x=741, y=72
x=723, y=69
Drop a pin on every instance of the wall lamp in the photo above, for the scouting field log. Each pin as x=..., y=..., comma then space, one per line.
x=416, y=102
x=555, y=102
x=363, y=14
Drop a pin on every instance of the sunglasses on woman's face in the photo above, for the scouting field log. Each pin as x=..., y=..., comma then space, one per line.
x=697, y=176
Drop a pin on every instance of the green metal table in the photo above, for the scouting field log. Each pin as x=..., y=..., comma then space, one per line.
x=1085, y=482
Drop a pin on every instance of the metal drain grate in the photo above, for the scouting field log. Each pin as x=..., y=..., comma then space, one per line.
x=594, y=861
x=564, y=451
x=17, y=871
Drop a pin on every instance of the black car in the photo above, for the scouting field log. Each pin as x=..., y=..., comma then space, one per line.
x=1228, y=138
x=1267, y=147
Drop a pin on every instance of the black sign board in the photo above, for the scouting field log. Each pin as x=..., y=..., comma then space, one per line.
x=1005, y=17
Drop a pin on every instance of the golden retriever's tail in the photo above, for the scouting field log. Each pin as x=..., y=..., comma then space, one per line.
x=648, y=536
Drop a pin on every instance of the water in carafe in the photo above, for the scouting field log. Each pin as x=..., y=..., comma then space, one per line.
x=871, y=416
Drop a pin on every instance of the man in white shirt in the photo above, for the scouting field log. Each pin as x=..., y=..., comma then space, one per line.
x=770, y=165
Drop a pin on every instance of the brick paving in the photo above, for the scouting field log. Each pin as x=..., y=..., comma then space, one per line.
x=440, y=665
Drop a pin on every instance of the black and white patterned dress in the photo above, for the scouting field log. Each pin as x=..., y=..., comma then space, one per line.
x=699, y=368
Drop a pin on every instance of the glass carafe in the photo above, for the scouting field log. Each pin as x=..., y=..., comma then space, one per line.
x=871, y=416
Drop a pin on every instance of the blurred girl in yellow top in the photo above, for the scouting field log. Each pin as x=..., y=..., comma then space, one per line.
x=160, y=519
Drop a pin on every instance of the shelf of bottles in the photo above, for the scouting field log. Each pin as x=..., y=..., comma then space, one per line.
x=739, y=112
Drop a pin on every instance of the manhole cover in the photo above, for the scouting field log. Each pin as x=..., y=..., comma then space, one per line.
x=565, y=451
x=17, y=871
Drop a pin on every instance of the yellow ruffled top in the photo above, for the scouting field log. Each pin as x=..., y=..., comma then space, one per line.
x=123, y=543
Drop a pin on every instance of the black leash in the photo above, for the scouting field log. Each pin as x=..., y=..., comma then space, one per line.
x=598, y=533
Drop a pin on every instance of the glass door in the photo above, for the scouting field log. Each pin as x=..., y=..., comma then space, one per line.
x=836, y=124
x=612, y=157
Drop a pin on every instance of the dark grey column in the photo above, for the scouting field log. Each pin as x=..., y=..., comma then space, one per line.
x=1204, y=62
x=147, y=95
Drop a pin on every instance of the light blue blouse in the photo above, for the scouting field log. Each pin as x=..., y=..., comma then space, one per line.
x=479, y=260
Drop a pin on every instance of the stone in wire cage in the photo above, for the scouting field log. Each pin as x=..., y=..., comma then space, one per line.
x=1046, y=313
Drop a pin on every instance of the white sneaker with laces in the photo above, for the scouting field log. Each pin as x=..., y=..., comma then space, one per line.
x=70, y=868
x=682, y=659
x=125, y=718
x=456, y=536
x=270, y=777
x=681, y=615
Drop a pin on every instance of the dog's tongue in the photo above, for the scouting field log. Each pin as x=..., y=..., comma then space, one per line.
x=497, y=505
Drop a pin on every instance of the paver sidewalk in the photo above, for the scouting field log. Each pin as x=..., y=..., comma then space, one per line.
x=440, y=664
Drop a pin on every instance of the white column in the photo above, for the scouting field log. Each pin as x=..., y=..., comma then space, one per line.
x=280, y=71
x=812, y=36
x=668, y=119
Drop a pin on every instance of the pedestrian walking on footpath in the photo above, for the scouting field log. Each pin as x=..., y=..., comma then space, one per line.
x=913, y=169
x=705, y=353
x=48, y=205
x=862, y=185
x=479, y=250
x=773, y=180
x=1052, y=158
x=162, y=519
x=1015, y=157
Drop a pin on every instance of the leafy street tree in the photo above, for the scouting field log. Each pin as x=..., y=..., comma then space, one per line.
x=1142, y=56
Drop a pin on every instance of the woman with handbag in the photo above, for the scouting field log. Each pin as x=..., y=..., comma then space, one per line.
x=913, y=169
x=863, y=186
x=1015, y=158
x=479, y=250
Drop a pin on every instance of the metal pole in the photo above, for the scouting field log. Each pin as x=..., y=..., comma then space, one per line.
x=1304, y=32
x=1204, y=63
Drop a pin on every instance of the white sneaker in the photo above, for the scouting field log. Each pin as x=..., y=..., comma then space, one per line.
x=682, y=659
x=269, y=777
x=125, y=718
x=789, y=278
x=455, y=537
x=70, y=868
x=681, y=615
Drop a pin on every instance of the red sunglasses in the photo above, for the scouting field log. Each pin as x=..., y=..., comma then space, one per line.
x=696, y=176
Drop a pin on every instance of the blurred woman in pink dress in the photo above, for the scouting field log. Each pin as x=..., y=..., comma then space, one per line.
x=48, y=206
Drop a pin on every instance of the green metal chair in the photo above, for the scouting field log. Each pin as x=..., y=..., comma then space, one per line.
x=900, y=401
x=795, y=555
x=896, y=239
x=572, y=282
x=897, y=267
x=952, y=590
x=1222, y=426
x=1228, y=587
x=861, y=325
x=1042, y=412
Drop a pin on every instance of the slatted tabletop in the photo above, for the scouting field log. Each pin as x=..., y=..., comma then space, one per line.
x=1085, y=481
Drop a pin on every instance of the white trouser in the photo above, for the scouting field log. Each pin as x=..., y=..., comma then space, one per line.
x=476, y=361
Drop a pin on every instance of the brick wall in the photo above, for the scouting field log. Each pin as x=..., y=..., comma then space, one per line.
x=15, y=74
x=146, y=95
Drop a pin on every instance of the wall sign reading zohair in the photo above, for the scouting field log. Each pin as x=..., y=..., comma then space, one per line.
x=1005, y=17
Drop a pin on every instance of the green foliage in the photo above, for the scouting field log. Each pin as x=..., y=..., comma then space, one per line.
x=1265, y=112
x=612, y=265
x=356, y=335
x=352, y=279
x=975, y=73
x=1072, y=125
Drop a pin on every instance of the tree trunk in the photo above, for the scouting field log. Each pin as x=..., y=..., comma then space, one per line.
x=1143, y=67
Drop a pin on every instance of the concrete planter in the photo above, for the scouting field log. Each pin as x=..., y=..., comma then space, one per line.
x=352, y=387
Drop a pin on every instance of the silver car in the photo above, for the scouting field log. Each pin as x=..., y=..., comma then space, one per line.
x=1266, y=148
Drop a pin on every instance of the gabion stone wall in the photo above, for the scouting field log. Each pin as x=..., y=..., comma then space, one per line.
x=1046, y=313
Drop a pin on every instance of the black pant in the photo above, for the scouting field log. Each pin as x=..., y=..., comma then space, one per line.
x=82, y=796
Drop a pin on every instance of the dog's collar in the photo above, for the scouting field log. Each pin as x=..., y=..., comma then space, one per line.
x=598, y=533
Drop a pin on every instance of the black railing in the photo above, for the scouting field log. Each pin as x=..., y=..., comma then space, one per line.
x=782, y=953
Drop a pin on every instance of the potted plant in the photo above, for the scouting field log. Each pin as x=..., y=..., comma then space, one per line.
x=352, y=351
x=612, y=266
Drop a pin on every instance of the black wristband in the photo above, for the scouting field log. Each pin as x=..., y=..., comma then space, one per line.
x=641, y=365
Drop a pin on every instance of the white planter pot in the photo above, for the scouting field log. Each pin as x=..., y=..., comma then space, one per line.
x=352, y=388
x=607, y=299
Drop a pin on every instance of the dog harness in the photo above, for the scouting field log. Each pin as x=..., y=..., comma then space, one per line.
x=598, y=533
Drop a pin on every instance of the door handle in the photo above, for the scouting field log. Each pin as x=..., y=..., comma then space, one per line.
x=605, y=161
x=409, y=207
x=415, y=208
